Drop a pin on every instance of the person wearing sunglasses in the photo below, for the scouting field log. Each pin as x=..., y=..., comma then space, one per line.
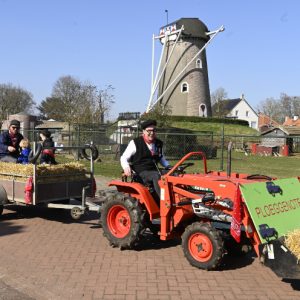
x=10, y=142
x=142, y=156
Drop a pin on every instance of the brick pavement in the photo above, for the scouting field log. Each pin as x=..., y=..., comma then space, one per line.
x=47, y=255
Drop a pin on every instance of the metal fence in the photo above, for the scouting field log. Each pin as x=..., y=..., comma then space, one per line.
x=260, y=154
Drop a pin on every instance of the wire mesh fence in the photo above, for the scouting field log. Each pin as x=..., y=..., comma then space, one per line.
x=250, y=154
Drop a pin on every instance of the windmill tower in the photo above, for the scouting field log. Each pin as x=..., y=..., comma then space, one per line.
x=181, y=82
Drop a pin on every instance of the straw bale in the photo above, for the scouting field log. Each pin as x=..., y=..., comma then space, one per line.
x=292, y=241
x=45, y=173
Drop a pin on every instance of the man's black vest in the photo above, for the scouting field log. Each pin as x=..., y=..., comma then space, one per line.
x=143, y=159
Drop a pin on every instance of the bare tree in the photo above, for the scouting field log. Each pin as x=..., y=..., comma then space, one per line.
x=278, y=109
x=14, y=100
x=271, y=107
x=217, y=102
x=68, y=90
x=75, y=101
x=103, y=101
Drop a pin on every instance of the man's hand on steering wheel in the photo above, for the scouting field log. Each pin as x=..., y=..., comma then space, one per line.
x=127, y=171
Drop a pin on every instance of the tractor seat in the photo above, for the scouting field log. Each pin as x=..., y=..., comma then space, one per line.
x=136, y=178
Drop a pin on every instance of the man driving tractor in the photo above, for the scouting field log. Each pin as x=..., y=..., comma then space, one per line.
x=142, y=156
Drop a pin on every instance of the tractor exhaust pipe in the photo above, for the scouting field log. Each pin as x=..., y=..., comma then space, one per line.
x=203, y=211
x=229, y=159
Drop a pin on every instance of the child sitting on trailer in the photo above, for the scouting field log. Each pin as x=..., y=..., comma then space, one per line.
x=24, y=155
x=47, y=156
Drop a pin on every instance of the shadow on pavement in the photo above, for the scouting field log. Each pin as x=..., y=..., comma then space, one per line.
x=51, y=214
x=232, y=262
x=9, y=293
x=8, y=227
x=295, y=283
x=152, y=242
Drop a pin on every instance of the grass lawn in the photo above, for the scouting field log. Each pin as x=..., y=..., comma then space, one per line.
x=281, y=167
x=229, y=129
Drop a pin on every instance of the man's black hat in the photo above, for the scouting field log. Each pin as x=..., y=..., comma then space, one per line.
x=14, y=123
x=46, y=133
x=148, y=123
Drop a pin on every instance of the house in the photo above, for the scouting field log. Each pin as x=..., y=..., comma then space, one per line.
x=295, y=121
x=238, y=109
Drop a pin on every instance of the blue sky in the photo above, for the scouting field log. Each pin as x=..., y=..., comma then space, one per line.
x=110, y=42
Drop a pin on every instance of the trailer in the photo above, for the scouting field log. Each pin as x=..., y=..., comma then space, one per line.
x=73, y=190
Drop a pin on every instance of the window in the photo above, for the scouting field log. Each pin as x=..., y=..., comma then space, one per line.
x=202, y=110
x=247, y=113
x=199, y=63
x=236, y=113
x=184, y=87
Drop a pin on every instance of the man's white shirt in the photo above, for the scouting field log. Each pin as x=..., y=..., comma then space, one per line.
x=131, y=150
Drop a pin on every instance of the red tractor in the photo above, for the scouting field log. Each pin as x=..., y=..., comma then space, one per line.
x=206, y=209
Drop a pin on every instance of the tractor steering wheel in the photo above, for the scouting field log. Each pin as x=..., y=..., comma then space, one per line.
x=180, y=169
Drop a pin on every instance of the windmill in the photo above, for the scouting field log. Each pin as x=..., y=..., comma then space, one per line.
x=181, y=80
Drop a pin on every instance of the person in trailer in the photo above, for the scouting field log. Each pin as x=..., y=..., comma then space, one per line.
x=10, y=142
x=48, y=154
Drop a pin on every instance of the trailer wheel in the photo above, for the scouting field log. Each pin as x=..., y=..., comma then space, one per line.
x=122, y=220
x=76, y=213
x=202, y=246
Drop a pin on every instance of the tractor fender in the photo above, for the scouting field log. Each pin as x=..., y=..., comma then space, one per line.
x=3, y=195
x=139, y=192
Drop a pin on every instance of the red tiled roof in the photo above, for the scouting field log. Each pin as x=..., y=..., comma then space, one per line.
x=291, y=122
x=265, y=120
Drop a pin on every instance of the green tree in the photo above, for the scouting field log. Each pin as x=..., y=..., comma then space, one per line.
x=160, y=113
x=52, y=108
x=14, y=100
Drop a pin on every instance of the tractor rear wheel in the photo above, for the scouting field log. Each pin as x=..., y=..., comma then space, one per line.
x=122, y=220
x=203, y=246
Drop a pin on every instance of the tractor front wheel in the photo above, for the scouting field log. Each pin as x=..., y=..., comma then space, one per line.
x=122, y=220
x=203, y=246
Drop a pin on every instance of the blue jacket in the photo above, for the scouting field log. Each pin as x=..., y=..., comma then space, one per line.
x=6, y=141
x=23, y=158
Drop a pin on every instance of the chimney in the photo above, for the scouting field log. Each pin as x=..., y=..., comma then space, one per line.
x=286, y=119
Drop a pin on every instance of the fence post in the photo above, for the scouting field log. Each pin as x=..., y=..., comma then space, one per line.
x=222, y=149
x=78, y=141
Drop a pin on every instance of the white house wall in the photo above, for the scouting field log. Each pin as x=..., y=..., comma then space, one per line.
x=240, y=112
